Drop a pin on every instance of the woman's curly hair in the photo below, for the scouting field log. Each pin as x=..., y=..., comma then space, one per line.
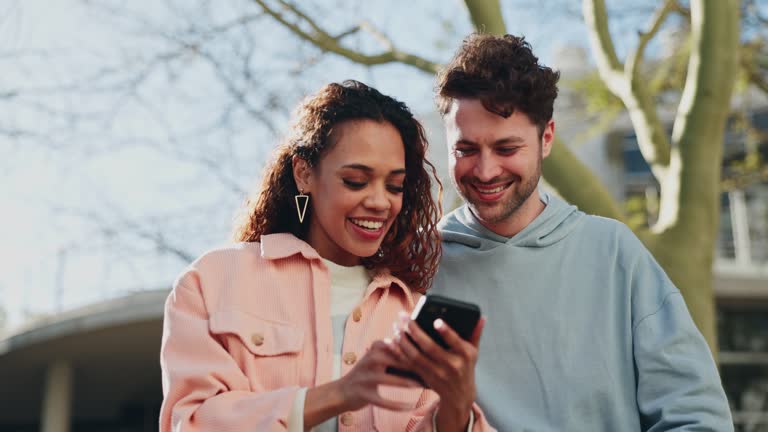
x=412, y=246
x=503, y=73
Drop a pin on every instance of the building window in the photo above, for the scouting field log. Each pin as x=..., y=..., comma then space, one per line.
x=743, y=340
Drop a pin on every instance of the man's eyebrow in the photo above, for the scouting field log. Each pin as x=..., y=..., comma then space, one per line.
x=512, y=139
x=465, y=142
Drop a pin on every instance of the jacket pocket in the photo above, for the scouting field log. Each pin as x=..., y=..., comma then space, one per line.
x=267, y=351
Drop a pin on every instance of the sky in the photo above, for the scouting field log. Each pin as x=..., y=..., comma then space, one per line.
x=82, y=195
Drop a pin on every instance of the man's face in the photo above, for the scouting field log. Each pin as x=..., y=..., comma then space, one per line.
x=495, y=162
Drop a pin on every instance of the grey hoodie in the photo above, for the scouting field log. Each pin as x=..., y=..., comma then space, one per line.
x=584, y=330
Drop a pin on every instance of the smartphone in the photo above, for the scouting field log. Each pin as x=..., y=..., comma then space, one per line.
x=461, y=316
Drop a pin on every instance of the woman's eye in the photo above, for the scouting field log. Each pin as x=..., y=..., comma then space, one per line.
x=463, y=152
x=396, y=189
x=353, y=184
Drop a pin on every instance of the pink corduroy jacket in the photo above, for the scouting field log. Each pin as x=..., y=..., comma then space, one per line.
x=246, y=326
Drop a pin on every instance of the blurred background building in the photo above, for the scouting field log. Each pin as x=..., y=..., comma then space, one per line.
x=93, y=369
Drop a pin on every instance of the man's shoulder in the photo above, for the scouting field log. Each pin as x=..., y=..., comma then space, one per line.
x=604, y=225
x=608, y=228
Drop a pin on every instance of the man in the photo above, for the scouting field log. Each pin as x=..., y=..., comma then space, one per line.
x=584, y=330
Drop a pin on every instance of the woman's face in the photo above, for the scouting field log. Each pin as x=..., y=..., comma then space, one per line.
x=356, y=190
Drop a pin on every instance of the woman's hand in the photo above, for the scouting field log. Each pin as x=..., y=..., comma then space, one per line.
x=450, y=373
x=358, y=388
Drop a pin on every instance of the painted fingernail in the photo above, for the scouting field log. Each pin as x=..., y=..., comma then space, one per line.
x=439, y=324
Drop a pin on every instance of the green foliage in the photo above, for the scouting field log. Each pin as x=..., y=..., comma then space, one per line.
x=596, y=96
x=740, y=173
x=642, y=209
x=669, y=73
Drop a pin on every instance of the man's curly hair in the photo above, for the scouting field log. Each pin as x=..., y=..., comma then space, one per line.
x=411, y=246
x=503, y=73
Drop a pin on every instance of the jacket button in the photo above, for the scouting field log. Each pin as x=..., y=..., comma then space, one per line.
x=346, y=419
x=357, y=314
x=349, y=358
x=257, y=339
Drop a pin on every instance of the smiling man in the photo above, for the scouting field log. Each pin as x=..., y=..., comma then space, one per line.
x=584, y=331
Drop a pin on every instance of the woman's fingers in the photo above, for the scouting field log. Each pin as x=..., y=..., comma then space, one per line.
x=396, y=381
x=439, y=368
x=419, y=363
x=428, y=347
x=449, y=372
x=386, y=354
x=478, y=332
x=451, y=338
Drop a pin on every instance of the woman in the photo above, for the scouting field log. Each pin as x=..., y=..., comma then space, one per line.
x=287, y=329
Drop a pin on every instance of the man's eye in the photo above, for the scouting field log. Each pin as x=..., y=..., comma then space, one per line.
x=507, y=150
x=353, y=184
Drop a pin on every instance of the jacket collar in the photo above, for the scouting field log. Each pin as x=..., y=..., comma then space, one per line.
x=383, y=279
x=283, y=245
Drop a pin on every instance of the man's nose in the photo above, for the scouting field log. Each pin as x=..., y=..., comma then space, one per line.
x=487, y=168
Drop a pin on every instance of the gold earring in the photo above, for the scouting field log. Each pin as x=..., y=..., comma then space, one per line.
x=301, y=204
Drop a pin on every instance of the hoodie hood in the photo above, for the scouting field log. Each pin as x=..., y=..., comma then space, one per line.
x=553, y=224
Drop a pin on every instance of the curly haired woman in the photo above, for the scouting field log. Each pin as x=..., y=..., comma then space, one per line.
x=288, y=329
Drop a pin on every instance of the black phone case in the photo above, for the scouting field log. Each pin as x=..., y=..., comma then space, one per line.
x=461, y=316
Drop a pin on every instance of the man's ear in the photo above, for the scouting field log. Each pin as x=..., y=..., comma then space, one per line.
x=302, y=174
x=547, y=138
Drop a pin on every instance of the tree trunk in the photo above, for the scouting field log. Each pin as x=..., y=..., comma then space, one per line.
x=692, y=209
x=687, y=260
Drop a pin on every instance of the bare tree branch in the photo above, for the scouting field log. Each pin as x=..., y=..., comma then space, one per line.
x=624, y=82
x=596, y=18
x=346, y=33
x=632, y=66
x=379, y=35
x=323, y=40
x=752, y=54
x=574, y=180
x=702, y=113
x=486, y=16
x=160, y=241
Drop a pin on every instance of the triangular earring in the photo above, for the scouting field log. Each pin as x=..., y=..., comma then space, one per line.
x=301, y=204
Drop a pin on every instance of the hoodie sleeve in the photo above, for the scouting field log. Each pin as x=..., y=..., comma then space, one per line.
x=678, y=386
x=203, y=387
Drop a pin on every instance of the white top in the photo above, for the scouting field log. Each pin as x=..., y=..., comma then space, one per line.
x=348, y=284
